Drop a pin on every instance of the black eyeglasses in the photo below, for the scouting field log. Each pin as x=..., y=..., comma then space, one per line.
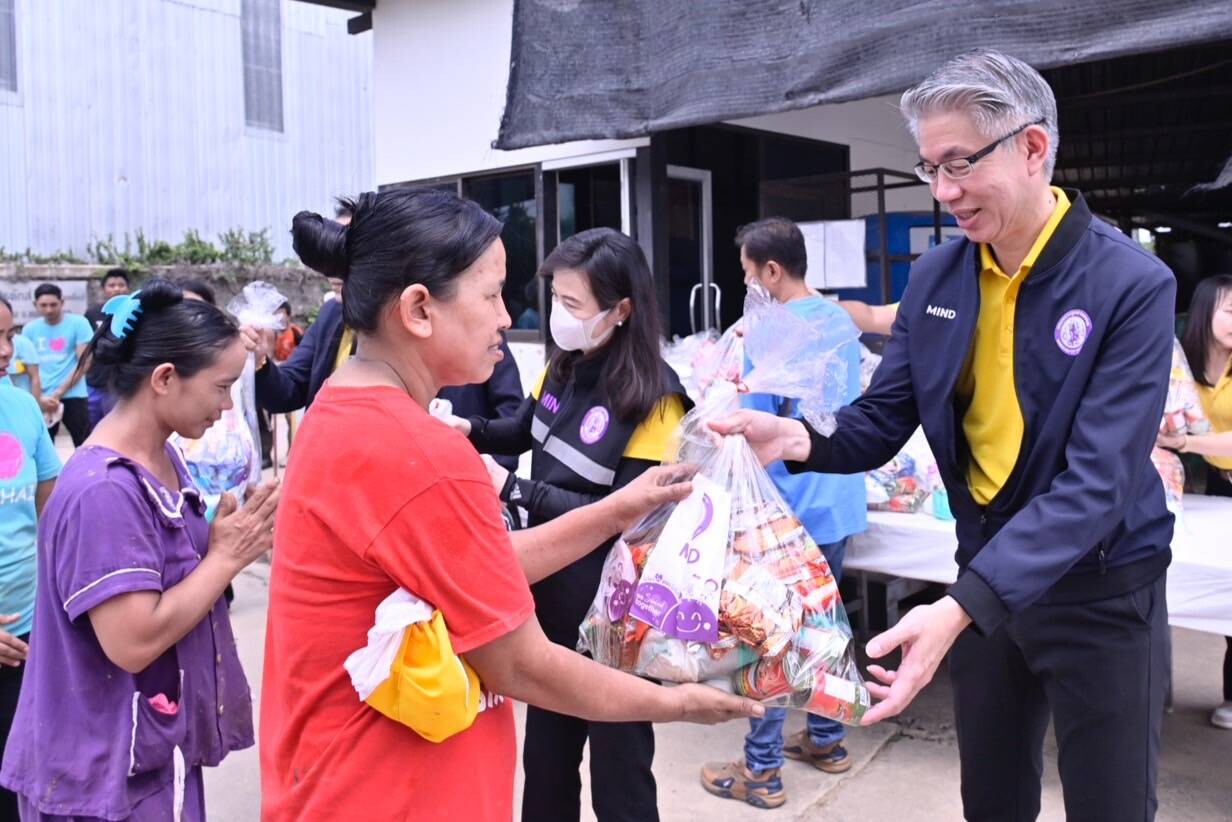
x=961, y=167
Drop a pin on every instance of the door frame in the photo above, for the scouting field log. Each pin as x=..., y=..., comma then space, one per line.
x=703, y=176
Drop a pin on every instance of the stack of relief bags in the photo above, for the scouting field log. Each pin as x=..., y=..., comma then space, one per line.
x=727, y=587
x=1182, y=415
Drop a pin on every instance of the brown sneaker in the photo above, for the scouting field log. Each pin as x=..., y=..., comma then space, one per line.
x=732, y=780
x=831, y=759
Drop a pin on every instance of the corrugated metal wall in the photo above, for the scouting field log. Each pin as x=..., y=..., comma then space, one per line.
x=129, y=115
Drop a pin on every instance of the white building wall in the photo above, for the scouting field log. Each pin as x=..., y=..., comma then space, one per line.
x=443, y=66
x=129, y=116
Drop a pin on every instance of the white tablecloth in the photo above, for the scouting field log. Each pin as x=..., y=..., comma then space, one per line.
x=919, y=546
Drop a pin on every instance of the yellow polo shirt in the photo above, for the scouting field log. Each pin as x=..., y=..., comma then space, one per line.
x=346, y=347
x=993, y=420
x=1217, y=405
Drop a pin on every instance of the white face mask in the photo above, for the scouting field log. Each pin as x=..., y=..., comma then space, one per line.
x=572, y=334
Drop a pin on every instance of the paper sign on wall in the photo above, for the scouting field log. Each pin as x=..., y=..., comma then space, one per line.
x=836, y=256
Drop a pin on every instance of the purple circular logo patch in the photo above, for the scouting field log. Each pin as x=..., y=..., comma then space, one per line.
x=1072, y=331
x=594, y=424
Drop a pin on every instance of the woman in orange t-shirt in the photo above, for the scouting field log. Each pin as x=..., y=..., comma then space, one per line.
x=380, y=496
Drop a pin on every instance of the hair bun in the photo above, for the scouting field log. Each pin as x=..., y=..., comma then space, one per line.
x=321, y=244
x=155, y=295
x=159, y=293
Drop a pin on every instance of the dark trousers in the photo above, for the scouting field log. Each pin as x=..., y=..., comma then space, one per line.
x=622, y=786
x=1227, y=670
x=10, y=688
x=1217, y=485
x=1099, y=671
x=76, y=419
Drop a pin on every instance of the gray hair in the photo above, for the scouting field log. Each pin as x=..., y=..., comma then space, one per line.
x=1000, y=93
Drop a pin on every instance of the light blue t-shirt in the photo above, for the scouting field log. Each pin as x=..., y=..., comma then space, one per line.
x=27, y=458
x=57, y=351
x=830, y=506
x=24, y=354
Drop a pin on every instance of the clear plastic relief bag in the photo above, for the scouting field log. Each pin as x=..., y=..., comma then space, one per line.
x=256, y=305
x=727, y=587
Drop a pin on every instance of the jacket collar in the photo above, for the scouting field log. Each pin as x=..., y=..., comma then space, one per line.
x=588, y=368
x=1069, y=231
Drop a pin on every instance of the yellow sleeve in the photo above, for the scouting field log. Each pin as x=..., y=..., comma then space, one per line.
x=651, y=439
x=538, y=389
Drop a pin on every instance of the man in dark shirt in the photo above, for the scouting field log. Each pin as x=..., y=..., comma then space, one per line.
x=115, y=282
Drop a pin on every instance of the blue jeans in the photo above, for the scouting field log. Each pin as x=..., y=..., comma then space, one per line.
x=763, y=747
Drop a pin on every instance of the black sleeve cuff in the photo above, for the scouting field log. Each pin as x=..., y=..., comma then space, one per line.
x=513, y=492
x=980, y=601
x=819, y=454
x=479, y=427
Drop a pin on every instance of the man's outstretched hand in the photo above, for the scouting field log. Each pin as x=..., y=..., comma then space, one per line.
x=771, y=438
x=924, y=634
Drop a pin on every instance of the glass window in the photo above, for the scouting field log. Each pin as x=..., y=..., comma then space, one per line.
x=8, y=46
x=511, y=198
x=588, y=197
x=261, y=29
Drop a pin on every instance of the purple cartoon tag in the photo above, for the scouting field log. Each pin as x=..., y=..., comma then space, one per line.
x=679, y=589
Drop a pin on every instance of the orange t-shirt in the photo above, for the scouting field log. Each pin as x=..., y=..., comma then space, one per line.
x=379, y=495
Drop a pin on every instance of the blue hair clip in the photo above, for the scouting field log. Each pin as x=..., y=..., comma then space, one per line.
x=123, y=310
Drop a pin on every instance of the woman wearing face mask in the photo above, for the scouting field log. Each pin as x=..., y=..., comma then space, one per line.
x=133, y=683
x=601, y=415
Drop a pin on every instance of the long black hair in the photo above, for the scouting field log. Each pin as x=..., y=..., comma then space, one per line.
x=1196, y=341
x=409, y=236
x=634, y=379
x=189, y=334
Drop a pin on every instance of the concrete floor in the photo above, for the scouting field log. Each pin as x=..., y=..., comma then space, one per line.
x=905, y=770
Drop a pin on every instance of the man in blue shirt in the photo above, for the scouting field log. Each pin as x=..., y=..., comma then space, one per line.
x=23, y=371
x=28, y=468
x=830, y=506
x=60, y=338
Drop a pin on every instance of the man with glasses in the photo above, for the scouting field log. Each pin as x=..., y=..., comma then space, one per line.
x=1035, y=354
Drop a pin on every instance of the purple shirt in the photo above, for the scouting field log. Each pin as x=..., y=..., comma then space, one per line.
x=86, y=740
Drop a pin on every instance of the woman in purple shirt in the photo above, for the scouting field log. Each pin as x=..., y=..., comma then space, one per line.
x=133, y=682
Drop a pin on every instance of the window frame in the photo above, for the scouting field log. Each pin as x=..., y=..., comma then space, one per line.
x=262, y=72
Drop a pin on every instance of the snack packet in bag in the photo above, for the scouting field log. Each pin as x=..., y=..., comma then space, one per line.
x=905, y=482
x=1183, y=414
x=716, y=360
x=727, y=587
x=225, y=459
x=682, y=352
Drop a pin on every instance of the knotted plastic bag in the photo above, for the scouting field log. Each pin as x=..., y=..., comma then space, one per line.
x=409, y=672
x=256, y=305
x=727, y=587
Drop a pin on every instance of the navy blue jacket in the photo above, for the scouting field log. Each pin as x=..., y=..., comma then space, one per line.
x=1082, y=515
x=294, y=384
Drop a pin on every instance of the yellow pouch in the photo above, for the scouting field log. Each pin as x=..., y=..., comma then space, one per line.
x=430, y=689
